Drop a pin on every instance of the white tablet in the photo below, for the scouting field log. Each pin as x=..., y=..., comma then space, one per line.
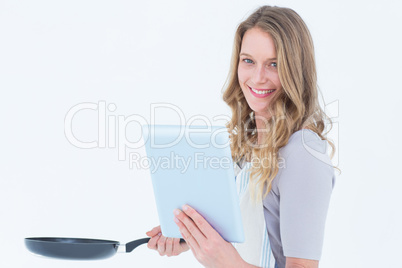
x=193, y=165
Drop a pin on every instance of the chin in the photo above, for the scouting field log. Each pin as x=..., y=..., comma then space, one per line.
x=261, y=112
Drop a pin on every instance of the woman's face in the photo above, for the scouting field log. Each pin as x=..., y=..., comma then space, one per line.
x=257, y=71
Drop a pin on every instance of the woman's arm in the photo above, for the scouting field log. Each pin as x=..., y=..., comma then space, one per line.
x=290, y=263
x=305, y=188
x=300, y=263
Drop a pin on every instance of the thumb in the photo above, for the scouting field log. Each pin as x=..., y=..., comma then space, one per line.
x=154, y=231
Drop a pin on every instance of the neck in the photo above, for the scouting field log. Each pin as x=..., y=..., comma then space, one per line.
x=261, y=122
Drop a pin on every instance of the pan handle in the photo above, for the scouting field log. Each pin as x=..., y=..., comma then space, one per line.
x=130, y=246
x=133, y=244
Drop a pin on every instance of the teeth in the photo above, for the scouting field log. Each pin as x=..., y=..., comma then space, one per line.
x=262, y=92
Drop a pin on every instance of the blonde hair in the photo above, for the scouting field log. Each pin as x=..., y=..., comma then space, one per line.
x=293, y=108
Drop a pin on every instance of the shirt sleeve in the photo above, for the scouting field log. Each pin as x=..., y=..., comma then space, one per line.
x=305, y=189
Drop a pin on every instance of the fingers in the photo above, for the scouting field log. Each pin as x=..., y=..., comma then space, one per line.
x=169, y=247
x=196, y=225
x=153, y=242
x=182, y=246
x=189, y=230
x=161, y=245
x=178, y=247
x=154, y=231
x=190, y=240
x=165, y=246
x=205, y=228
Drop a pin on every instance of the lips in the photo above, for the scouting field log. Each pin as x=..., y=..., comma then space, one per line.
x=261, y=93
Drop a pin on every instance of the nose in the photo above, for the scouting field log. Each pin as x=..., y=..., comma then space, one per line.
x=260, y=75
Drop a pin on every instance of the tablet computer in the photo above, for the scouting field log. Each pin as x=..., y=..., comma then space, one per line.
x=193, y=165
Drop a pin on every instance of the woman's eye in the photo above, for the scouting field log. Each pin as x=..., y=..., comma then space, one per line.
x=274, y=64
x=248, y=61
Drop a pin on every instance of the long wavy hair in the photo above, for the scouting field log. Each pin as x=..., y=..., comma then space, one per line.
x=292, y=109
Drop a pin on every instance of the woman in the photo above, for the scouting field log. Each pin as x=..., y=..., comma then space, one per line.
x=278, y=142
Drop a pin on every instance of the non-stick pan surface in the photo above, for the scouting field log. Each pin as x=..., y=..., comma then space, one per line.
x=77, y=248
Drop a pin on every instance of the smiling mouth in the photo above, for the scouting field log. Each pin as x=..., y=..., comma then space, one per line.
x=261, y=92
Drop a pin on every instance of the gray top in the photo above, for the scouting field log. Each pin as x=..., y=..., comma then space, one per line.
x=296, y=207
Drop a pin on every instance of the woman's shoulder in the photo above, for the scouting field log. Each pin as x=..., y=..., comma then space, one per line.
x=306, y=153
x=305, y=163
x=304, y=140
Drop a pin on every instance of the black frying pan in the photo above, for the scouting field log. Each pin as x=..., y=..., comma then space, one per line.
x=79, y=248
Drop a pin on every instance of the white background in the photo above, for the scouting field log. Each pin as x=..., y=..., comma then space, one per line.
x=57, y=54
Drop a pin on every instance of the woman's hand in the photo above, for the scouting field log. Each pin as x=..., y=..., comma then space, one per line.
x=208, y=247
x=165, y=245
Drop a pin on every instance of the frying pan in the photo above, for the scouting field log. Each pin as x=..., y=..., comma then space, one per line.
x=79, y=248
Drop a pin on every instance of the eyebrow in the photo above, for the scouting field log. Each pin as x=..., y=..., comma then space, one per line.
x=248, y=55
